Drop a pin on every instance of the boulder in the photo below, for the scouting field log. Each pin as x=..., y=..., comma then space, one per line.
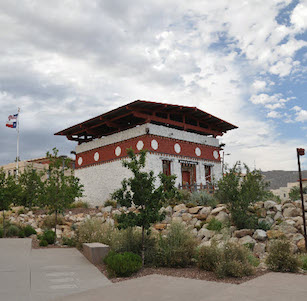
x=243, y=232
x=177, y=219
x=269, y=205
x=193, y=221
x=259, y=249
x=278, y=216
x=260, y=235
x=292, y=212
x=205, y=211
x=195, y=210
x=273, y=234
x=222, y=217
x=201, y=217
x=180, y=208
x=187, y=217
x=287, y=228
x=217, y=210
x=205, y=234
x=301, y=245
x=247, y=240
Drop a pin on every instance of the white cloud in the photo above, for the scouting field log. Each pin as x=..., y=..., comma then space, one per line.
x=301, y=116
x=274, y=114
x=264, y=98
x=259, y=85
x=299, y=16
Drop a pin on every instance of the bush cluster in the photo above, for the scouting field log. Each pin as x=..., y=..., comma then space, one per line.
x=79, y=204
x=123, y=264
x=93, y=230
x=281, y=257
x=47, y=238
x=49, y=221
x=176, y=248
x=69, y=241
x=215, y=225
x=229, y=260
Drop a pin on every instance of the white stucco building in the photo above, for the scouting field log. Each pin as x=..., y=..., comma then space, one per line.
x=180, y=140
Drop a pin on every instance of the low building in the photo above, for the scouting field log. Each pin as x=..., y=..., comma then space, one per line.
x=180, y=140
x=283, y=192
x=39, y=164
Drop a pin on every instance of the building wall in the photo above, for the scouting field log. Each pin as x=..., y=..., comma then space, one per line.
x=283, y=192
x=99, y=165
x=101, y=180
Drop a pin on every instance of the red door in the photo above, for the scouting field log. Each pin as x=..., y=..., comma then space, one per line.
x=186, y=178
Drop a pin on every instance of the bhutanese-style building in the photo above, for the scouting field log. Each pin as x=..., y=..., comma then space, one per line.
x=180, y=140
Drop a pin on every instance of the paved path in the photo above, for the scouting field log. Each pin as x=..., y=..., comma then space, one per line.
x=270, y=287
x=64, y=274
x=43, y=274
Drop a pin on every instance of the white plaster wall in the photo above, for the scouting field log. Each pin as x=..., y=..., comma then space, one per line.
x=101, y=180
x=154, y=130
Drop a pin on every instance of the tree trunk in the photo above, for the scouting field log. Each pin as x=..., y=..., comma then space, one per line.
x=4, y=234
x=56, y=222
x=143, y=246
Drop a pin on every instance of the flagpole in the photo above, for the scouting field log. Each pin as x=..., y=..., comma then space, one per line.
x=17, y=160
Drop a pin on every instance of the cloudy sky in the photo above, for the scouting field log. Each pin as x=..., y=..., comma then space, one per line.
x=65, y=61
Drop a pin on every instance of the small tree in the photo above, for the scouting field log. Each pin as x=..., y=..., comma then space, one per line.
x=240, y=191
x=140, y=190
x=32, y=187
x=295, y=193
x=10, y=192
x=60, y=190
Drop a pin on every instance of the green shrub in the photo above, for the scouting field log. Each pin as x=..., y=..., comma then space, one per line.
x=203, y=198
x=230, y=260
x=209, y=257
x=79, y=204
x=29, y=230
x=263, y=226
x=176, y=248
x=303, y=260
x=93, y=230
x=49, y=221
x=110, y=203
x=123, y=264
x=48, y=236
x=69, y=241
x=281, y=258
x=1, y=232
x=21, y=233
x=253, y=260
x=12, y=231
x=43, y=243
x=130, y=240
x=215, y=225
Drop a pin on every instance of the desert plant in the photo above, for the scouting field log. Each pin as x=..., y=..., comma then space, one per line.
x=43, y=243
x=21, y=233
x=176, y=248
x=203, y=198
x=79, y=204
x=215, y=225
x=303, y=260
x=29, y=230
x=229, y=260
x=49, y=236
x=21, y=211
x=110, y=203
x=208, y=257
x=239, y=192
x=49, y=221
x=123, y=264
x=12, y=231
x=69, y=241
x=295, y=193
x=1, y=232
x=93, y=230
x=130, y=240
x=281, y=258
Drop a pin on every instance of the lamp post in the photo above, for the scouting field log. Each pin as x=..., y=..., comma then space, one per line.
x=301, y=152
x=223, y=164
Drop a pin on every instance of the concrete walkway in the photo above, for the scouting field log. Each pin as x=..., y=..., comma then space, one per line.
x=44, y=274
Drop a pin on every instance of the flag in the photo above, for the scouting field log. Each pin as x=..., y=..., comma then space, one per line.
x=12, y=121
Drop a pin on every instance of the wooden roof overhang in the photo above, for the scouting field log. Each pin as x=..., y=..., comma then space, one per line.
x=139, y=112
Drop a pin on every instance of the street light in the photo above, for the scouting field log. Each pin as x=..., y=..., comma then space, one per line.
x=301, y=152
x=223, y=164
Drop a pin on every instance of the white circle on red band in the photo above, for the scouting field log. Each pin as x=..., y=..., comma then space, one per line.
x=177, y=148
x=96, y=156
x=140, y=145
x=154, y=144
x=118, y=151
x=80, y=161
x=215, y=154
x=197, y=151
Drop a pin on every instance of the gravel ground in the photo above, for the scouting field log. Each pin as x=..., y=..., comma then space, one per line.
x=190, y=272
